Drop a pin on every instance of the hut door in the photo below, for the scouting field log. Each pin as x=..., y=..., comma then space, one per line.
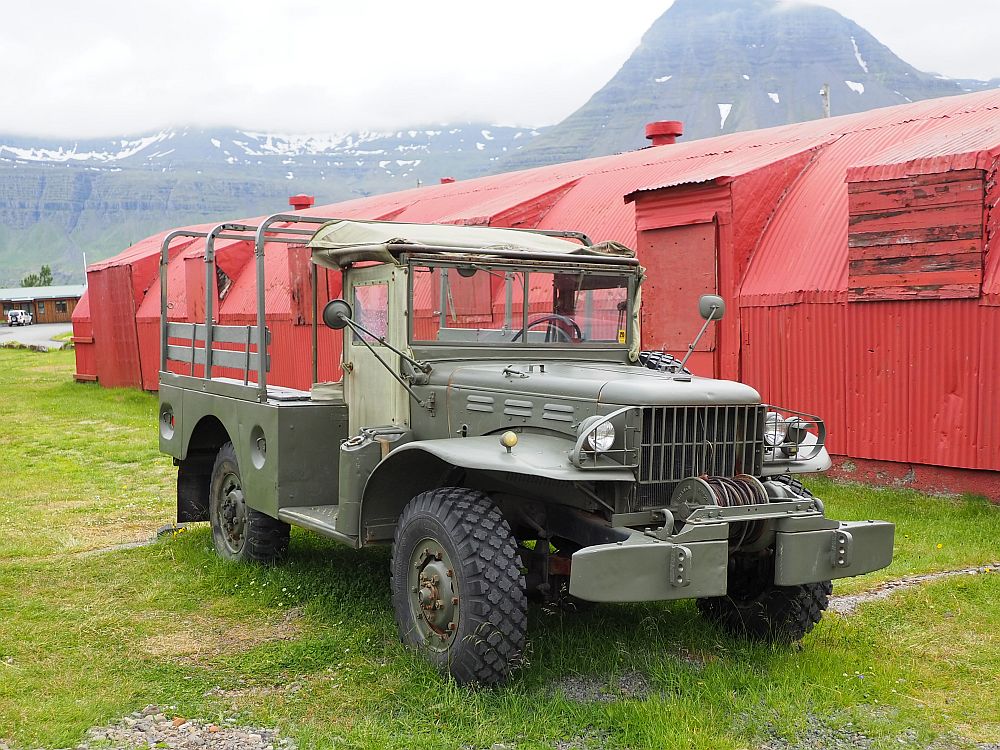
x=681, y=265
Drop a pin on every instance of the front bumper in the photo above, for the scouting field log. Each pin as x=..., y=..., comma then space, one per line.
x=694, y=563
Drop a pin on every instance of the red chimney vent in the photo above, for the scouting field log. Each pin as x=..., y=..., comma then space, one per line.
x=446, y=180
x=664, y=132
x=300, y=201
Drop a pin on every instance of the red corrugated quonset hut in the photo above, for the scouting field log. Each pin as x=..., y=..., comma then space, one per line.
x=858, y=256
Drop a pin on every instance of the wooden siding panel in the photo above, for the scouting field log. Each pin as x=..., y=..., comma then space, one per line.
x=914, y=181
x=918, y=264
x=939, y=291
x=918, y=237
x=947, y=214
x=894, y=198
x=946, y=247
x=904, y=236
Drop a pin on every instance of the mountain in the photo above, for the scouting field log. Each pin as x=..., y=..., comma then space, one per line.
x=717, y=65
x=721, y=66
x=59, y=200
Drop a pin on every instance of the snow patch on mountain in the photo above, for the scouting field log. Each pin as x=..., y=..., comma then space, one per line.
x=857, y=55
x=724, y=110
x=127, y=148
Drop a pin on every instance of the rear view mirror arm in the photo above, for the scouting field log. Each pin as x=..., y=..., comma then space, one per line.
x=693, y=344
x=399, y=378
x=357, y=327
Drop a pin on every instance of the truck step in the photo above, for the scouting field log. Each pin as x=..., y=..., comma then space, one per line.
x=319, y=518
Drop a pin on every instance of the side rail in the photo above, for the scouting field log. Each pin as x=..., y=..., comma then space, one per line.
x=194, y=343
x=244, y=356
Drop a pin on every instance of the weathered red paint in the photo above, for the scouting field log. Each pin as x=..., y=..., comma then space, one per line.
x=857, y=256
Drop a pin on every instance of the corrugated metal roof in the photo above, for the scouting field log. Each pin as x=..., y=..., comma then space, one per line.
x=26, y=293
x=812, y=219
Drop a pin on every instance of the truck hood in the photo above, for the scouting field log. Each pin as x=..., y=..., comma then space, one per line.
x=601, y=382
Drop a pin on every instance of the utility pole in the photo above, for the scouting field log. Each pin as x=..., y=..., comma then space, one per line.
x=825, y=95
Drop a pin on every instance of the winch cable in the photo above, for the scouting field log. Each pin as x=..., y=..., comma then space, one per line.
x=735, y=492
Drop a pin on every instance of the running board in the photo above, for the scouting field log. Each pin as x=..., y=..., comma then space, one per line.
x=319, y=518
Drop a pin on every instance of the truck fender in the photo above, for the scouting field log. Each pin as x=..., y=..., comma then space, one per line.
x=423, y=465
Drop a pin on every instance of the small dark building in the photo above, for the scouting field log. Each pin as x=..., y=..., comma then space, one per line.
x=47, y=304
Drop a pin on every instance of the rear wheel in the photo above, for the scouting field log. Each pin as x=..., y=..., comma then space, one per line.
x=238, y=531
x=457, y=587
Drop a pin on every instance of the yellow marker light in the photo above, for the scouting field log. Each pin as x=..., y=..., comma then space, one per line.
x=508, y=440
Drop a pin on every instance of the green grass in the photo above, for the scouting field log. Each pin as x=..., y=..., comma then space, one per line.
x=311, y=646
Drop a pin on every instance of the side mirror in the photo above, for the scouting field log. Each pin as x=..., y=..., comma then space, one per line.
x=710, y=306
x=336, y=313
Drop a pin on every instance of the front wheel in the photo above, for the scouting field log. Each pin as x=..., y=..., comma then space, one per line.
x=457, y=588
x=238, y=531
x=757, y=609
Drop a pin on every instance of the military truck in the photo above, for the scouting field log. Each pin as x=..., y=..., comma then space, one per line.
x=498, y=425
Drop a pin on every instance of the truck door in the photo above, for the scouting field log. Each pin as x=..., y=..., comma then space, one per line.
x=374, y=398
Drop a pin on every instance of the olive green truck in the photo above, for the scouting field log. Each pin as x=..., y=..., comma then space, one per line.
x=497, y=424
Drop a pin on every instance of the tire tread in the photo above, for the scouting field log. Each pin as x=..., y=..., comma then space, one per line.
x=493, y=597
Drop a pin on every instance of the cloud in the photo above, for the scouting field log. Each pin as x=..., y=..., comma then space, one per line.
x=107, y=67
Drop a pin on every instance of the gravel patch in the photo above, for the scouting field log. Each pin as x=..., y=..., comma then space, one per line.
x=820, y=735
x=581, y=689
x=590, y=741
x=159, y=727
x=849, y=603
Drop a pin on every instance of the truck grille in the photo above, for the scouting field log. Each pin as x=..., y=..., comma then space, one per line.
x=677, y=442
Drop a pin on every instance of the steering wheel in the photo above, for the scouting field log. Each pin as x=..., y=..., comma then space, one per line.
x=551, y=319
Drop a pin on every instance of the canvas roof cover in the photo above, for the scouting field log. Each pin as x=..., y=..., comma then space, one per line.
x=341, y=242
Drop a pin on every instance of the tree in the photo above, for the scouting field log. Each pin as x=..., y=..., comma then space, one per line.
x=42, y=278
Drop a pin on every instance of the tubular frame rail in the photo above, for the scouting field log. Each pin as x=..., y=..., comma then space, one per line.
x=210, y=331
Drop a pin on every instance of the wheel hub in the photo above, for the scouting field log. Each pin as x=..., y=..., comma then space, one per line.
x=434, y=600
x=232, y=510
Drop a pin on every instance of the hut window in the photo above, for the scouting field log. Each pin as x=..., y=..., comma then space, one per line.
x=917, y=237
x=41, y=308
x=61, y=306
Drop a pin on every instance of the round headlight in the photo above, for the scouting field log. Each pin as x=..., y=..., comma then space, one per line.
x=795, y=430
x=774, y=429
x=599, y=438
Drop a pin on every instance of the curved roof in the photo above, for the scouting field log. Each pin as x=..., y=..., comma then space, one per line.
x=800, y=249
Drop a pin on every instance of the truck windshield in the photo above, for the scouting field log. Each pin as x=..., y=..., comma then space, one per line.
x=476, y=304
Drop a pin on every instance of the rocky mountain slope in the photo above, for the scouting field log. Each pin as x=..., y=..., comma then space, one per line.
x=721, y=66
x=59, y=200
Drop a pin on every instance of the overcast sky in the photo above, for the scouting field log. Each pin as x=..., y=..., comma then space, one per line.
x=108, y=67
